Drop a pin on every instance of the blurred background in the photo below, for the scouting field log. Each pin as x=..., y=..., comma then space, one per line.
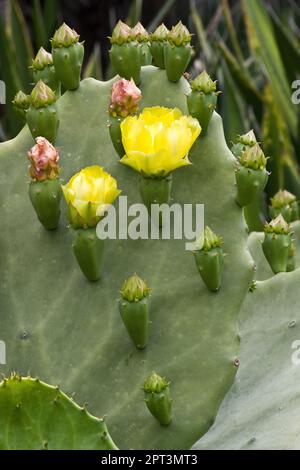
x=252, y=47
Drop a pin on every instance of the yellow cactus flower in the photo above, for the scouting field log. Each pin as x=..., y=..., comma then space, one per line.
x=87, y=194
x=158, y=140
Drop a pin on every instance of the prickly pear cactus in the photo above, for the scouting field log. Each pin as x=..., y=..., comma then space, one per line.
x=262, y=410
x=69, y=331
x=35, y=416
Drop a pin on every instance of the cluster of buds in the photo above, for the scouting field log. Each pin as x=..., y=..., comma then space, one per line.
x=209, y=257
x=44, y=160
x=21, y=103
x=133, y=47
x=242, y=142
x=202, y=100
x=130, y=49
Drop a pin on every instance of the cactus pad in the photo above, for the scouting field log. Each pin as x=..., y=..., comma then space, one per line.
x=66, y=330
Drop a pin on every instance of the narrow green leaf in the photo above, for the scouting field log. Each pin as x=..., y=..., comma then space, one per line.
x=20, y=38
x=233, y=108
x=232, y=32
x=201, y=33
x=162, y=12
x=51, y=13
x=39, y=25
x=135, y=12
x=93, y=67
x=263, y=44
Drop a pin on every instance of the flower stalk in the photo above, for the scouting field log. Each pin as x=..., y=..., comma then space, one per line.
x=67, y=53
x=134, y=307
x=209, y=258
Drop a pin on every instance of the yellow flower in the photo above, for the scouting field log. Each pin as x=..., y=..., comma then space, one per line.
x=87, y=194
x=158, y=140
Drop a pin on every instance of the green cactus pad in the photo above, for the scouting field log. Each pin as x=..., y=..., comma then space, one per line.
x=37, y=416
x=262, y=410
x=64, y=329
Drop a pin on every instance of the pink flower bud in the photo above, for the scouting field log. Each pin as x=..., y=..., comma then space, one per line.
x=43, y=159
x=125, y=98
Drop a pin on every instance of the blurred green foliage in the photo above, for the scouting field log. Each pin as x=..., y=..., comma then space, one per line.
x=251, y=47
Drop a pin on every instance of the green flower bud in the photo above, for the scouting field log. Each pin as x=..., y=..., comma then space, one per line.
x=277, y=225
x=42, y=59
x=157, y=45
x=134, y=307
x=179, y=35
x=208, y=240
x=157, y=398
x=160, y=34
x=253, y=157
x=177, y=52
x=126, y=54
x=202, y=100
x=42, y=96
x=134, y=289
x=64, y=37
x=122, y=33
x=155, y=383
x=242, y=142
x=251, y=175
x=21, y=102
x=204, y=83
x=68, y=55
x=277, y=243
x=248, y=140
x=282, y=198
x=139, y=33
x=209, y=258
x=42, y=118
x=43, y=69
x=286, y=204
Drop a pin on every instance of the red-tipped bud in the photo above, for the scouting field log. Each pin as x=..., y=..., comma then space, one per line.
x=44, y=160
